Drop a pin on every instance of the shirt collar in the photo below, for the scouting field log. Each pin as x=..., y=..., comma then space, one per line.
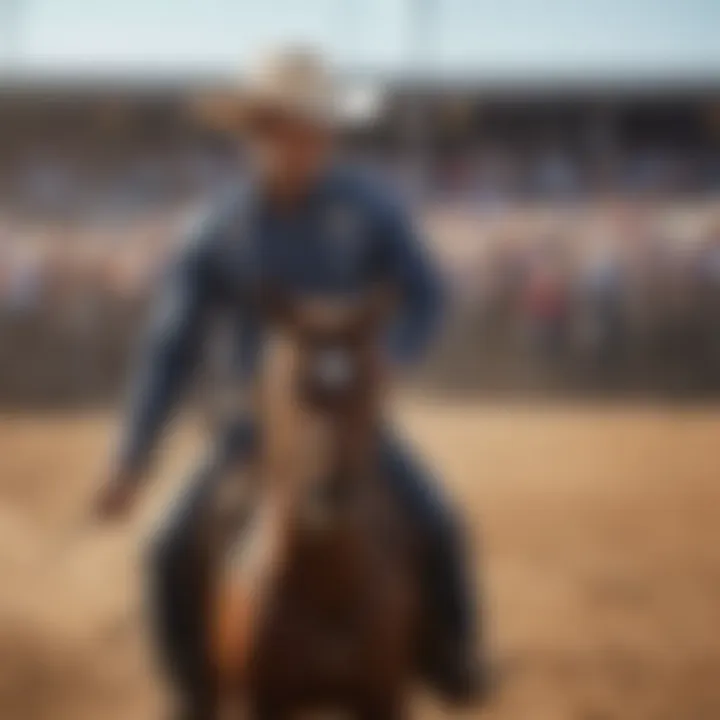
x=317, y=193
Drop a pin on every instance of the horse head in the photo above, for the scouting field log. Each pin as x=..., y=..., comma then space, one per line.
x=336, y=346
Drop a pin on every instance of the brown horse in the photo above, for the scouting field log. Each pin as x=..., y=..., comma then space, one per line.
x=314, y=601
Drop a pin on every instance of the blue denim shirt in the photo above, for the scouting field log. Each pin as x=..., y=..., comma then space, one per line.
x=348, y=235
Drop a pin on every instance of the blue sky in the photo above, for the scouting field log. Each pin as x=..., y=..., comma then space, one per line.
x=487, y=38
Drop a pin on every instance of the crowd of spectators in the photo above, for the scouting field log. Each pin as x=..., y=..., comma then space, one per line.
x=495, y=175
x=71, y=299
x=620, y=294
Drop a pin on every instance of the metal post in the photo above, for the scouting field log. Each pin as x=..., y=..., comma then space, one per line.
x=417, y=127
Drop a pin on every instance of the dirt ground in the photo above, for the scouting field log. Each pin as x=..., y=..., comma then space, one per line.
x=600, y=541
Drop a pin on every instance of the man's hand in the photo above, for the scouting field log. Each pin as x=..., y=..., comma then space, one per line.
x=116, y=498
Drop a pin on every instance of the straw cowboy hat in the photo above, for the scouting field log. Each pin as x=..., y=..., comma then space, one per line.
x=294, y=83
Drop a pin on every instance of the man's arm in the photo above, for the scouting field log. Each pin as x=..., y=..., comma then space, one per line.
x=407, y=265
x=169, y=351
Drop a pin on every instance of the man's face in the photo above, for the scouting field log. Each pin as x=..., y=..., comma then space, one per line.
x=285, y=149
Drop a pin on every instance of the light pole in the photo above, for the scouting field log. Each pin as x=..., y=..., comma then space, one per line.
x=417, y=125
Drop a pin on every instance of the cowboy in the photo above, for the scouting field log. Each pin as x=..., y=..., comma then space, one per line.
x=311, y=225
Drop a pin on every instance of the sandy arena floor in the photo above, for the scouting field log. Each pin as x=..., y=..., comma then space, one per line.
x=601, y=545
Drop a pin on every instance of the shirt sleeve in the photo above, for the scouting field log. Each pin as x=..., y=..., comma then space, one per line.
x=169, y=349
x=407, y=265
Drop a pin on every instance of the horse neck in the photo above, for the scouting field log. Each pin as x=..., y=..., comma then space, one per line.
x=355, y=441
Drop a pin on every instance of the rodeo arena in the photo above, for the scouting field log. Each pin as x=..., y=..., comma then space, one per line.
x=569, y=408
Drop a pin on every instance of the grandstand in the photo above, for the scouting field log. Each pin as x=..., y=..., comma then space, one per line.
x=553, y=140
